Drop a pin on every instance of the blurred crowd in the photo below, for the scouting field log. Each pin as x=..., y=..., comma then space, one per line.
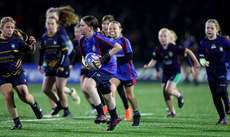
x=141, y=19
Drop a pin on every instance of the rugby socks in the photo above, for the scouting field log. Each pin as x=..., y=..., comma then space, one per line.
x=122, y=94
x=113, y=114
x=66, y=109
x=59, y=104
x=136, y=112
x=93, y=107
x=17, y=121
x=99, y=109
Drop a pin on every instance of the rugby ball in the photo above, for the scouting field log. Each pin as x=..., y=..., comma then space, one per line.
x=90, y=58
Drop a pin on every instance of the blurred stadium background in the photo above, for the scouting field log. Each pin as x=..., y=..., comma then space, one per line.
x=141, y=21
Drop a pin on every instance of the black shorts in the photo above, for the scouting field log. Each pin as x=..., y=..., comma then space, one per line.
x=15, y=80
x=85, y=72
x=102, y=79
x=64, y=74
x=128, y=83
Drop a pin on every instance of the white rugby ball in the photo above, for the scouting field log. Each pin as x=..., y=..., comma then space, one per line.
x=90, y=58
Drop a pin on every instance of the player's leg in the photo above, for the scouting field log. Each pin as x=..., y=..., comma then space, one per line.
x=73, y=94
x=114, y=118
x=60, y=85
x=122, y=94
x=168, y=100
x=7, y=92
x=26, y=97
x=129, y=89
x=114, y=84
x=222, y=86
x=171, y=89
x=84, y=90
x=92, y=92
x=47, y=86
x=52, y=103
x=217, y=101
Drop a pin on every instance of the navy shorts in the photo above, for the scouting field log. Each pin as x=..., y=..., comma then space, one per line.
x=171, y=77
x=85, y=72
x=64, y=74
x=128, y=83
x=102, y=79
x=15, y=80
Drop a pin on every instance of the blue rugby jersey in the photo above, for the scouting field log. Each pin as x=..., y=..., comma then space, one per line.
x=54, y=51
x=100, y=45
x=215, y=51
x=169, y=57
x=10, y=61
x=125, y=71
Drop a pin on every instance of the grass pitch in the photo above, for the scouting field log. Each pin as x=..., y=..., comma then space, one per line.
x=196, y=118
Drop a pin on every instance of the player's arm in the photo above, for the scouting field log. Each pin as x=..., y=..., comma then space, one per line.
x=117, y=47
x=193, y=57
x=150, y=64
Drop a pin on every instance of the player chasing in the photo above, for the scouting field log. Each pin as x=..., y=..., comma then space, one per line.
x=214, y=55
x=11, y=71
x=168, y=54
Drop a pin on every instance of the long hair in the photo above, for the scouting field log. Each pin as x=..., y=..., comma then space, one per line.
x=17, y=32
x=66, y=15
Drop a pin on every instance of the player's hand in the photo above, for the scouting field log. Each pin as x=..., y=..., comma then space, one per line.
x=146, y=67
x=70, y=67
x=158, y=75
x=59, y=69
x=206, y=64
x=97, y=62
x=40, y=68
x=32, y=40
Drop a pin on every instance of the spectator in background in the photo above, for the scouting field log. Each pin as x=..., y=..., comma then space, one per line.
x=191, y=43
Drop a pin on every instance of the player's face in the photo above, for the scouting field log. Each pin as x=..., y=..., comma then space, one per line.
x=114, y=31
x=84, y=28
x=51, y=25
x=210, y=30
x=77, y=33
x=8, y=29
x=105, y=25
x=163, y=38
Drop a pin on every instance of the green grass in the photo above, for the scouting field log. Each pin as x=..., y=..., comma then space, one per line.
x=196, y=118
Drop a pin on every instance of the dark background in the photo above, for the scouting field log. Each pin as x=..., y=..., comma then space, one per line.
x=141, y=20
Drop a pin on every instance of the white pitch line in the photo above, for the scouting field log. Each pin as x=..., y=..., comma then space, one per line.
x=52, y=119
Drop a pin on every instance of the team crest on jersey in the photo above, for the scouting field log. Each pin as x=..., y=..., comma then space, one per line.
x=221, y=49
x=170, y=54
x=93, y=48
x=55, y=42
x=213, y=46
x=13, y=45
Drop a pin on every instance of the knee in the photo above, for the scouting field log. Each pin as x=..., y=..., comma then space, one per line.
x=168, y=91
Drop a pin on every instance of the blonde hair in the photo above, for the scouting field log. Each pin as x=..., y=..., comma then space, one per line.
x=119, y=25
x=173, y=34
x=17, y=32
x=166, y=30
x=66, y=15
x=217, y=25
